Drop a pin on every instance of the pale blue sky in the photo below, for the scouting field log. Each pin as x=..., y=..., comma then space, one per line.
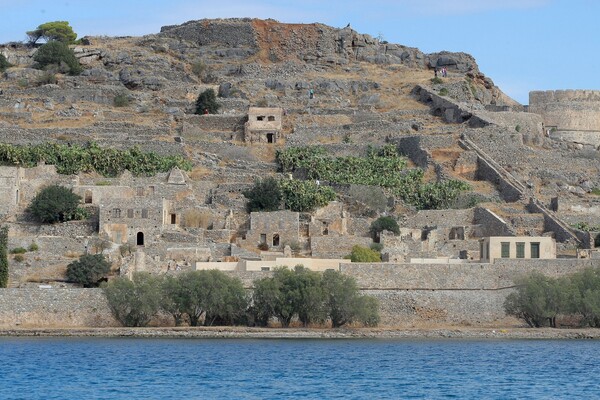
x=522, y=45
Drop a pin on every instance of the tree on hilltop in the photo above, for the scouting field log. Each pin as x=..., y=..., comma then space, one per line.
x=59, y=31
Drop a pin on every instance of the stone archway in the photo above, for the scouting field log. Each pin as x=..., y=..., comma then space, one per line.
x=140, y=239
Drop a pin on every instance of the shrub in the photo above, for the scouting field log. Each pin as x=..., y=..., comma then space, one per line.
x=54, y=204
x=384, y=224
x=3, y=256
x=207, y=102
x=121, y=100
x=33, y=247
x=47, y=78
x=436, y=80
x=364, y=254
x=72, y=159
x=443, y=92
x=89, y=270
x=303, y=196
x=57, y=56
x=53, y=31
x=263, y=246
x=518, y=128
x=265, y=195
x=4, y=64
x=18, y=250
x=135, y=302
x=19, y=257
x=596, y=191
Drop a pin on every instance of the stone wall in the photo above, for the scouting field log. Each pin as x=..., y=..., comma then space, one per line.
x=64, y=308
x=567, y=109
x=470, y=293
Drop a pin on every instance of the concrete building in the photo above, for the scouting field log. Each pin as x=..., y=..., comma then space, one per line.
x=517, y=247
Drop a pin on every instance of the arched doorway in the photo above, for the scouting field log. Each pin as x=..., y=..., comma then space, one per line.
x=140, y=238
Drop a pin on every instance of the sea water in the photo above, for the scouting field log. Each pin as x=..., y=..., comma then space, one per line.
x=117, y=368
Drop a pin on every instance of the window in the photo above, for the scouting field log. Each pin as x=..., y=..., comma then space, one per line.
x=505, y=249
x=116, y=213
x=271, y=118
x=260, y=118
x=535, y=250
x=173, y=219
x=263, y=238
x=270, y=138
x=88, y=197
x=520, y=249
x=145, y=213
x=139, y=191
x=130, y=213
x=265, y=268
x=276, y=239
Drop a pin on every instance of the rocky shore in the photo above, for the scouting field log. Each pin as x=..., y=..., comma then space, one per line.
x=272, y=333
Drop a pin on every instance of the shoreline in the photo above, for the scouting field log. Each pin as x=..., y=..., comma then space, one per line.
x=307, y=333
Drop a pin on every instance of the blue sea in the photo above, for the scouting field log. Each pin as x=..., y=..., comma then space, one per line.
x=117, y=368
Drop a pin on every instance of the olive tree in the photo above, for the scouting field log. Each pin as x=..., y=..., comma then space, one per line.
x=344, y=303
x=135, y=302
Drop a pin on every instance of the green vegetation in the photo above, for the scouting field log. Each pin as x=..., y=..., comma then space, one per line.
x=384, y=224
x=595, y=191
x=312, y=298
x=18, y=250
x=268, y=194
x=305, y=196
x=89, y=270
x=47, y=78
x=539, y=299
x=345, y=304
x=19, y=257
x=443, y=92
x=437, y=80
x=72, y=159
x=135, y=302
x=121, y=100
x=364, y=255
x=57, y=56
x=518, y=128
x=265, y=195
x=55, y=204
x=59, y=31
x=3, y=256
x=33, y=247
x=584, y=226
x=207, y=102
x=213, y=296
x=383, y=167
x=4, y=64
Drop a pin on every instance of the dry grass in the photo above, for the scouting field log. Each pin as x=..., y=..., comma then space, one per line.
x=197, y=219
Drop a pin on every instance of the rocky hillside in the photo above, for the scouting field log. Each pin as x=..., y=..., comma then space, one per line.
x=142, y=90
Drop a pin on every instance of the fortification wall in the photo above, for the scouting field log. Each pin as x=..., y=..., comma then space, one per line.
x=471, y=293
x=54, y=308
x=568, y=110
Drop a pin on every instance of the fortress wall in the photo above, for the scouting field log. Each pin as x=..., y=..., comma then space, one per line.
x=567, y=109
x=54, y=308
x=409, y=293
